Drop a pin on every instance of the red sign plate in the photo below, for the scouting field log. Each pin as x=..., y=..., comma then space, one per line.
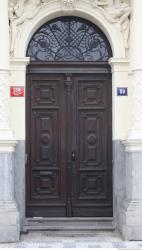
x=17, y=91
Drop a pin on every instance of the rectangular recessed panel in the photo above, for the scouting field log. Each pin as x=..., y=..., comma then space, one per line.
x=92, y=186
x=45, y=92
x=47, y=141
x=92, y=92
x=92, y=151
x=46, y=185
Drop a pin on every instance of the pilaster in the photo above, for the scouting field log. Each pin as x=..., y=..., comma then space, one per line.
x=120, y=78
x=131, y=207
x=9, y=216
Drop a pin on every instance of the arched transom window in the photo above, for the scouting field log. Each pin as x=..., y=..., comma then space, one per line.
x=69, y=39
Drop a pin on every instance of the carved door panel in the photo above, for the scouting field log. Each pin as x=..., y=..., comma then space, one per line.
x=46, y=146
x=69, y=145
x=91, y=173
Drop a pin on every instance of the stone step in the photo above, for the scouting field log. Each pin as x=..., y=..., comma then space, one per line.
x=71, y=224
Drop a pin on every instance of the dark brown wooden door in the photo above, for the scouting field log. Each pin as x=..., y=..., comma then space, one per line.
x=69, y=143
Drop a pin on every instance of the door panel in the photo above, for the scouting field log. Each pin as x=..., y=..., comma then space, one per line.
x=69, y=144
x=92, y=170
x=46, y=139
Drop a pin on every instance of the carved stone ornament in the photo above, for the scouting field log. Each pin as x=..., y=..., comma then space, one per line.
x=20, y=12
x=116, y=12
x=68, y=4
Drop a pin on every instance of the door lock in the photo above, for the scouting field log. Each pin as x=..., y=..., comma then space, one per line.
x=74, y=156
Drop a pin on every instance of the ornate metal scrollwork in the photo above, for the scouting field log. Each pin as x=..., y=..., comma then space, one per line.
x=69, y=39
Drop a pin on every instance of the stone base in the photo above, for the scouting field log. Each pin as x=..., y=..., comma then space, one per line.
x=131, y=215
x=9, y=222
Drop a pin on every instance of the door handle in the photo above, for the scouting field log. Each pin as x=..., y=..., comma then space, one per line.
x=74, y=156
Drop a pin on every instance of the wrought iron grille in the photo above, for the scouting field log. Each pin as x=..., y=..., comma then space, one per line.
x=69, y=39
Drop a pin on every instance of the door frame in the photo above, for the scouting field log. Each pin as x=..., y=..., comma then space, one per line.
x=65, y=68
x=68, y=67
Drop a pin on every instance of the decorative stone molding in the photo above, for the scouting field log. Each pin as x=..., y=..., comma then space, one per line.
x=132, y=145
x=25, y=10
x=7, y=145
x=68, y=4
x=119, y=64
x=116, y=13
x=19, y=64
x=20, y=12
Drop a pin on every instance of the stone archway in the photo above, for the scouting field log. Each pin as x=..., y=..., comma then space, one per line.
x=69, y=171
x=46, y=14
x=119, y=65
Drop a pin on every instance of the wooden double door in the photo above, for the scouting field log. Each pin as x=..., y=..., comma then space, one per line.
x=69, y=137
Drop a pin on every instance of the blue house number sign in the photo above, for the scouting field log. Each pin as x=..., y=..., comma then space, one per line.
x=122, y=91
